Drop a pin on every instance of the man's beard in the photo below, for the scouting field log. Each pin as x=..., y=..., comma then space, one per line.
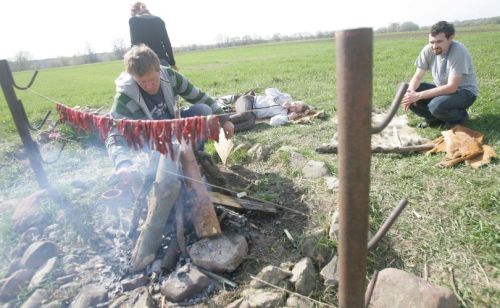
x=437, y=51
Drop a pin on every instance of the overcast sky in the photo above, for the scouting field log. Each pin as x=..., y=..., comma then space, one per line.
x=52, y=28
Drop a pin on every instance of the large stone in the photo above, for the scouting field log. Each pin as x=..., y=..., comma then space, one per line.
x=396, y=288
x=304, y=276
x=90, y=296
x=295, y=301
x=262, y=298
x=185, y=282
x=313, y=248
x=43, y=273
x=330, y=273
x=29, y=212
x=38, y=253
x=36, y=299
x=314, y=169
x=260, y=152
x=144, y=300
x=15, y=283
x=272, y=274
x=134, y=282
x=223, y=253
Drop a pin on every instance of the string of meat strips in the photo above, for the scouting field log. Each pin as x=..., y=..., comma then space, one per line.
x=137, y=133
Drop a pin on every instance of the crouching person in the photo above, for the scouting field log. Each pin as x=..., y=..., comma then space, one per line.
x=147, y=90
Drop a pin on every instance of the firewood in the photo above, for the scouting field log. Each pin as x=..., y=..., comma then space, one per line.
x=204, y=217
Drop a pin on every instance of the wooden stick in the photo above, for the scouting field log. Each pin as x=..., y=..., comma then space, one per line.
x=219, y=278
x=332, y=148
x=452, y=281
x=293, y=293
x=204, y=217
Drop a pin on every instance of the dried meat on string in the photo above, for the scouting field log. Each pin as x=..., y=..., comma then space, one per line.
x=158, y=134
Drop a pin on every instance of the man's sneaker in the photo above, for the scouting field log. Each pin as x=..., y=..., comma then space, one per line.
x=430, y=123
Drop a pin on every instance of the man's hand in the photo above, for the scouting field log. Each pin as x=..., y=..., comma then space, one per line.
x=228, y=129
x=411, y=97
x=175, y=67
x=129, y=177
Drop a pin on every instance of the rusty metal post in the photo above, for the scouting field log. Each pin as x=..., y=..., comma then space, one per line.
x=354, y=49
x=21, y=121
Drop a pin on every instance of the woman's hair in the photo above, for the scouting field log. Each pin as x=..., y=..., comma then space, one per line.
x=139, y=8
x=140, y=59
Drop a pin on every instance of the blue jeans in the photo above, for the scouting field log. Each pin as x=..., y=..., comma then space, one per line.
x=198, y=109
x=449, y=109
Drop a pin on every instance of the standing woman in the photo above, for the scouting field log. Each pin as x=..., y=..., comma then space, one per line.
x=150, y=30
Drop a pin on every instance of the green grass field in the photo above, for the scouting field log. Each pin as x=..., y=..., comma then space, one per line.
x=459, y=207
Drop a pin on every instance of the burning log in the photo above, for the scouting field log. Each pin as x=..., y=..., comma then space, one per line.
x=166, y=189
x=203, y=214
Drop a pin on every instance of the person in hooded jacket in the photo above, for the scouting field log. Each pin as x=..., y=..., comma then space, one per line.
x=147, y=90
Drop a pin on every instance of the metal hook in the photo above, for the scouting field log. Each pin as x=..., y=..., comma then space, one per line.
x=393, y=109
x=41, y=124
x=55, y=159
x=29, y=84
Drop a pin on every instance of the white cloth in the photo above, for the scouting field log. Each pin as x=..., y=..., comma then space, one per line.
x=270, y=106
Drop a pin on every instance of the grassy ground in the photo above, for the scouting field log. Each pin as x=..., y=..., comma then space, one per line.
x=458, y=222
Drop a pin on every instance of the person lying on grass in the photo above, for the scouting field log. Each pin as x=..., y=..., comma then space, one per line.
x=277, y=106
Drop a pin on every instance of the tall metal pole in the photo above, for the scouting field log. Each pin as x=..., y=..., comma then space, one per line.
x=21, y=121
x=354, y=50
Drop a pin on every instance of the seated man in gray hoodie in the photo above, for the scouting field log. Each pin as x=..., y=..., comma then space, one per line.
x=147, y=90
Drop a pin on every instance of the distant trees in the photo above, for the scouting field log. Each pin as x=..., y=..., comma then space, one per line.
x=89, y=55
x=399, y=27
x=22, y=61
x=119, y=49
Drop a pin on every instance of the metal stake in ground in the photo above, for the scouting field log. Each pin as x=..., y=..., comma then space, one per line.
x=354, y=91
x=22, y=125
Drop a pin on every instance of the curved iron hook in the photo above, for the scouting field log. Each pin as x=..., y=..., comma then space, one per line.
x=41, y=124
x=392, y=110
x=55, y=159
x=29, y=84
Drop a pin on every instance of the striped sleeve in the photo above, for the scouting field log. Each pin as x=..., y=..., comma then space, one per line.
x=191, y=93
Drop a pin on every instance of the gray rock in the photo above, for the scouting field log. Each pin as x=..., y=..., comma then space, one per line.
x=312, y=248
x=90, y=296
x=14, y=266
x=29, y=212
x=38, y=253
x=183, y=283
x=330, y=273
x=260, y=152
x=295, y=301
x=304, y=276
x=332, y=183
x=298, y=161
x=134, y=282
x=314, y=169
x=262, y=298
x=396, y=288
x=15, y=283
x=43, y=273
x=223, y=253
x=334, y=226
x=20, y=249
x=144, y=300
x=272, y=274
x=36, y=299
x=30, y=235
